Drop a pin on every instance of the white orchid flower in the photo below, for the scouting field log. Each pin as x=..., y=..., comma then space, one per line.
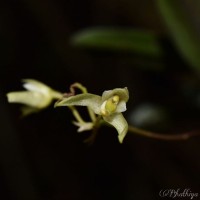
x=110, y=106
x=37, y=96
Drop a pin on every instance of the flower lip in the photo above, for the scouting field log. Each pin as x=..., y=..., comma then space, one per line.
x=114, y=101
x=109, y=106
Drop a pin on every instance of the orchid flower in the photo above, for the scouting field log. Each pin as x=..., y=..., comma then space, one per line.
x=110, y=106
x=37, y=96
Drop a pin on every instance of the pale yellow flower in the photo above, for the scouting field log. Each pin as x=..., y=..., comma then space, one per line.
x=36, y=97
x=110, y=106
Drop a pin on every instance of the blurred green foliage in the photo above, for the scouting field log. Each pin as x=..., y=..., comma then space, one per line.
x=182, y=31
x=119, y=39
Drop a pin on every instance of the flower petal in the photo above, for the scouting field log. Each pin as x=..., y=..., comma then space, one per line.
x=37, y=86
x=121, y=92
x=27, y=110
x=34, y=85
x=84, y=127
x=118, y=121
x=121, y=107
x=33, y=99
x=90, y=100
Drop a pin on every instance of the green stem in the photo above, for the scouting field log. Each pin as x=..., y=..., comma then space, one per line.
x=150, y=134
x=79, y=86
x=90, y=140
x=76, y=114
x=91, y=114
x=84, y=90
x=57, y=95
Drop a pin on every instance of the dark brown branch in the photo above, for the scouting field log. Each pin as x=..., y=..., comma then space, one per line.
x=181, y=136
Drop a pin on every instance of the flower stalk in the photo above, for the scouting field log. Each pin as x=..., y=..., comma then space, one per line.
x=84, y=91
x=149, y=134
x=106, y=109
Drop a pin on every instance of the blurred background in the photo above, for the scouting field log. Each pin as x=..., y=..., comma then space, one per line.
x=152, y=47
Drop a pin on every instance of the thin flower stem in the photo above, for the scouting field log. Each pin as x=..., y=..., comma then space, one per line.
x=57, y=95
x=79, y=86
x=76, y=114
x=84, y=90
x=150, y=134
x=91, y=114
x=90, y=140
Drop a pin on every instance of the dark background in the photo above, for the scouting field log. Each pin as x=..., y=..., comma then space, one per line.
x=42, y=156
